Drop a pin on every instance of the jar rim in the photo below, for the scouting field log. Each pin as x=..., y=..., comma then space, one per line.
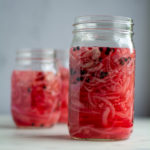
x=35, y=54
x=35, y=50
x=102, y=18
x=104, y=23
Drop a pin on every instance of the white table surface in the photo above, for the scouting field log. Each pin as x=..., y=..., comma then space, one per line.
x=57, y=138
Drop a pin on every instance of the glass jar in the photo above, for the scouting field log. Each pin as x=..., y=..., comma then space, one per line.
x=102, y=74
x=62, y=59
x=35, y=89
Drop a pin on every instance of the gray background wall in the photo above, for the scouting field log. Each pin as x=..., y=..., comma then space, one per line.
x=47, y=23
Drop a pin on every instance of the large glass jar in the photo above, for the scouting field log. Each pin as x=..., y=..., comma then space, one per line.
x=63, y=63
x=102, y=74
x=35, y=89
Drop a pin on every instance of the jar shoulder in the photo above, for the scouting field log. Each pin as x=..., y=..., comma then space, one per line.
x=89, y=40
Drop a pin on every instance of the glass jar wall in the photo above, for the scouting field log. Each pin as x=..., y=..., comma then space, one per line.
x=35, y=89
x=62, y=59
x=102, y=74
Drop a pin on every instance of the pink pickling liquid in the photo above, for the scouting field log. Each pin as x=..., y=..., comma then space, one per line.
x=64, y=94
x=101, y=92
x=35, y=98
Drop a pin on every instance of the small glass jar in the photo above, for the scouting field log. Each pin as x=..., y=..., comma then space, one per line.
x=35, y=88
x=63, y=63
x=102, y=74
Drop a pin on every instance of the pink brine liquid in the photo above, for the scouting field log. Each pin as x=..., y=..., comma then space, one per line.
x=101, y=92
x=64, y=94
x=35, y=98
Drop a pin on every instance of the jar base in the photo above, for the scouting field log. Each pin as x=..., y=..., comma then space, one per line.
x=112, y=134
x=98, y=139
x=24, y=120
x=30, y=127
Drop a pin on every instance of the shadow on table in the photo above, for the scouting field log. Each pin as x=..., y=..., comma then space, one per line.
x=7, y=126
x=53, y=137
x=63, y=138
x=45, y=137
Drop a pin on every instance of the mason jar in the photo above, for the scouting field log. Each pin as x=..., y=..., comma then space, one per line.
x=62, y=57
x=35, y=88
x=102, y=75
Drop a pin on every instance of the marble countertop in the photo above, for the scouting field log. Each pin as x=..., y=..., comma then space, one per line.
x=57, y=138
